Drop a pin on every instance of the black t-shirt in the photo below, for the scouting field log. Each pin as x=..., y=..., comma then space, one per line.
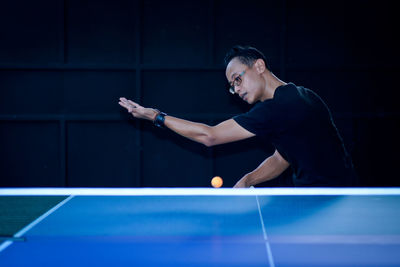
x=300, y=126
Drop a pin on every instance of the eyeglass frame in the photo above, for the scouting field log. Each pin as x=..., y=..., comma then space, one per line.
x=238, y=82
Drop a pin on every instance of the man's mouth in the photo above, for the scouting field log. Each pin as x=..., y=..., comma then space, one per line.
x=243, y=95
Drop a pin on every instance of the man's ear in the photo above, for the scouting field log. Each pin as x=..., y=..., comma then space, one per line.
x=259, y=65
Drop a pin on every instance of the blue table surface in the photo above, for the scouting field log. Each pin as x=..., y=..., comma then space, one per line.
x=299, y=230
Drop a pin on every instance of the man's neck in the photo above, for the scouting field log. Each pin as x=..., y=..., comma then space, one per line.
x=272, y=82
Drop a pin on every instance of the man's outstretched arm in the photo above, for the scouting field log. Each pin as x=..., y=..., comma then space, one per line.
x=271, y=168
x=225, y=132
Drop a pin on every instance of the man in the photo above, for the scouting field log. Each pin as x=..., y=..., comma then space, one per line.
x=294, y=119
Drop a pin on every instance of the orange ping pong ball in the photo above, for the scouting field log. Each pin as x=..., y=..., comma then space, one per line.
x=216, y=182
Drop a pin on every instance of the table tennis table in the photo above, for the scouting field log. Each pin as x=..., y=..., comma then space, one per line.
x=210, y=227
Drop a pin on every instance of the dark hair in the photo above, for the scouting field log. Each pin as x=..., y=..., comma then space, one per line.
x=246, y=55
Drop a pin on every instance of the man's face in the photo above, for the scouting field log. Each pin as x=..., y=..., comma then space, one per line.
x=249, y=84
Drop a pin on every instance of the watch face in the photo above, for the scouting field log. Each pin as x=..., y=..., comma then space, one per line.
x=159, y=121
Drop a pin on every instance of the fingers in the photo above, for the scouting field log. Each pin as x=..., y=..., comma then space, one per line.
x=241, y=184
x=129, y=108
x=123, y=105
x=135, y=105
x=124, y=100
x=128, y=104
x=134, y=108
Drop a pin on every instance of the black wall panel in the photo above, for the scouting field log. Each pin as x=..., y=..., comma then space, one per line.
x=30, y=31
x=65, y=63
x=376, y=151
x=371, y=32
x=30, y=92
x=101, y=154
x=340, y=33
x=30, y=154
x=175, y=32
x=256, y=23
x=97, y=92
x=189, y=92
x=54, y=92
x=172, y=161
x=100, y=31
x=316, y=33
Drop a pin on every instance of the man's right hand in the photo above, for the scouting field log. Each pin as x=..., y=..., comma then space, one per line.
x=137, y=110
x=242, y=183
x=269, y=169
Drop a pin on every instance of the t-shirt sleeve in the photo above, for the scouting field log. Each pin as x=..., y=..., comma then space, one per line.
x=260, y=120
x=274, y=116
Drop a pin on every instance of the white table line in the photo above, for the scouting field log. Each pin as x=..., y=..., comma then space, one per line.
x=35, y=222
x=266, y=241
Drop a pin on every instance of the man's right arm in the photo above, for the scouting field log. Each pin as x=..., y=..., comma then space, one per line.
x=271, y=168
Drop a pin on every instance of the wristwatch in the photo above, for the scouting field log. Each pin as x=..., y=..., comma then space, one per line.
x=159, y=120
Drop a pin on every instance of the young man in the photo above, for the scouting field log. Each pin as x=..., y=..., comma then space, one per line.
x=294, y=119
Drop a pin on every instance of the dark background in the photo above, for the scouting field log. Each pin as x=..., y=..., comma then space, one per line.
x=65, y=63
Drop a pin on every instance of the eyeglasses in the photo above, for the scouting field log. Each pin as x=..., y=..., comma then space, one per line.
x=236, y=82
